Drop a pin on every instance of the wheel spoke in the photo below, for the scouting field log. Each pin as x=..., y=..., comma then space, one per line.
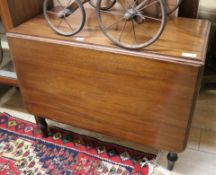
x=149, y=17
x=141, y=4
x=147, y=33
x=129, y=4
x=122, y=30
x=121, y=2
x=134, y=32
x=66, y=2
x=60, y=22
x=114, y=23
x=52, y=13
x=135, y=1
x=167, y=8
x=60, y=4
x=150, y=36
x=170, y=9
x=69, y=2
x=148, y=5
x=68, y=23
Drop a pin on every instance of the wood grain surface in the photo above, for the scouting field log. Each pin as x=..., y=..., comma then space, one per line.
x=145, y=96
x=180, y=36
x=15, y=12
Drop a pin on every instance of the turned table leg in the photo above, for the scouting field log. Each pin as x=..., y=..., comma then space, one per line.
x=41, y=122
x=172, y=158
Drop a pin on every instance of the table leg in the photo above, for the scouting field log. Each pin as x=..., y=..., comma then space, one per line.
x=41, y=122
x=172, y=158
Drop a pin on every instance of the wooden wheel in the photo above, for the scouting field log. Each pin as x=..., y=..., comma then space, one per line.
x=62, y=15
x=105, y=5
x=133, y=24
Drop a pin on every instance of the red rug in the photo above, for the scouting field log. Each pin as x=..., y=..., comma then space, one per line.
x=24, y=151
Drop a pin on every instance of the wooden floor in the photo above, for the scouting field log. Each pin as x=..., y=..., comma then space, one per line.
x=198, y=159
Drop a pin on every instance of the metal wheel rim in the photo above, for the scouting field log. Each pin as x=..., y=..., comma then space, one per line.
x=140, y=46
x=45, y=4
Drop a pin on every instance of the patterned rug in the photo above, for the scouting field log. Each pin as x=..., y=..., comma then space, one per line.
x=24, y=151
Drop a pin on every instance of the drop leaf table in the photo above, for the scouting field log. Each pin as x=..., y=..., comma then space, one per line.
x=145, y=96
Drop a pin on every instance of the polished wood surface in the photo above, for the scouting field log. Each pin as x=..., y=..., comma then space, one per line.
x=5, y=15
x=181, y=37
x=15, y=12
x=143, y=96
x=8, y=81
x=141, y=100
x=6, y=19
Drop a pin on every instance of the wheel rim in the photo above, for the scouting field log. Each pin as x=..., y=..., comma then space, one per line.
x=106, y=5
x=133, y=25
x=64, y=19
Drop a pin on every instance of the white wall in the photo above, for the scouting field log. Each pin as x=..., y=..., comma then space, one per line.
x=207, y=9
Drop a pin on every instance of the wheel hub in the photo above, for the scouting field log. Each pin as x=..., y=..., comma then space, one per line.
x=64, y=13
x=129, y=14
